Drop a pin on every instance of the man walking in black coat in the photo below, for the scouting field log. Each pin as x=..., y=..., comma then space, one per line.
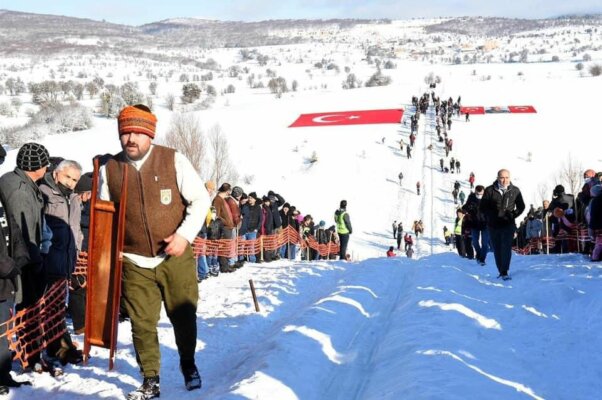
x=502, y=202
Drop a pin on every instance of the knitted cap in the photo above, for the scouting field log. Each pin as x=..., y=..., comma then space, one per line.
x=137, y=119
x=32, y=157
x=84, y=184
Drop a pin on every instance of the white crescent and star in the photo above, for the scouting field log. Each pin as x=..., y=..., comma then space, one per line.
x=322, y=119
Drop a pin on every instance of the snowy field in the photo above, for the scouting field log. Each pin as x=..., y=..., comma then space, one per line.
x=433, y=327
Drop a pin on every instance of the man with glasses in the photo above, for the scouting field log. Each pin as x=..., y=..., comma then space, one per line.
x=502, y=202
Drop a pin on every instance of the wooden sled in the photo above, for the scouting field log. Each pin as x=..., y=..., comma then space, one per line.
x=105, y=245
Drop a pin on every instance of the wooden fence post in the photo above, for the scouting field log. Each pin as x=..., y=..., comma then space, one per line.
x=254, y=295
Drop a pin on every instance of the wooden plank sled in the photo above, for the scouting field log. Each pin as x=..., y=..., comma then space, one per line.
x=105, y=246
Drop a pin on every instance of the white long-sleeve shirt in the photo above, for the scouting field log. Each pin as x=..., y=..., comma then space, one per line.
x=192, y=190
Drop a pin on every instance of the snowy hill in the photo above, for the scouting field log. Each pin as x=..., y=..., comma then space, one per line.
x=433, y=327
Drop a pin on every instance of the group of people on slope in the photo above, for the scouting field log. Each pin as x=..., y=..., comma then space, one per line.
x=235, y=213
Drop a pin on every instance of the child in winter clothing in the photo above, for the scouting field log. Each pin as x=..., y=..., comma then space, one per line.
x=391, y=252
x=215, y=231
x=408, y=241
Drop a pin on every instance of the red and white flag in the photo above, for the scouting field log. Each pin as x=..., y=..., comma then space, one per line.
x=522, y=109
x=349, y=118
x=472, y=110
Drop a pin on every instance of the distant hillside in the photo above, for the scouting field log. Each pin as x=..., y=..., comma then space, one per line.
x=46, y=34
x=34, y=33
x=491, y=26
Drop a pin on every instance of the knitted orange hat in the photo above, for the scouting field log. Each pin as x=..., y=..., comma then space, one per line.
x=137, y=119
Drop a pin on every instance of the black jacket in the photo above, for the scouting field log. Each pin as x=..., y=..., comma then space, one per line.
x=251, y=218
x=275, y=205
x=501, y=210
x=595, y=221
x=476, y=219
x=215, y=230
x=13, y=257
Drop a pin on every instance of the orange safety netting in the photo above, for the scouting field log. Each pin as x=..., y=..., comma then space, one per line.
x=30, y=330
x=236, y=247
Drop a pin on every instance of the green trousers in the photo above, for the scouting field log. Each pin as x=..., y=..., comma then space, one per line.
x=173, y=282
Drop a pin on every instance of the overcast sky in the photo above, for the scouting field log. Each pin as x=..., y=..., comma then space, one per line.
x=138, y=12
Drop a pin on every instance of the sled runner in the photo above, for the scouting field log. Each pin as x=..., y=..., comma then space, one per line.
x=105, y=245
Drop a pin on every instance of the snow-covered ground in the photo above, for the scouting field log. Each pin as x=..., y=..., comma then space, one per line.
x=433, y=327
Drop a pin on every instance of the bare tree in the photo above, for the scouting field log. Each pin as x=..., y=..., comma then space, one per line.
x=543, y=191
x=186, y=136
x=170, y=101
x=570, y=173
x=221, y=169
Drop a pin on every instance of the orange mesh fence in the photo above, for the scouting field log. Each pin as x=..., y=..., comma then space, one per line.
x=236, y=247
x=30, y=330
x=81, y=270
x=323, y=249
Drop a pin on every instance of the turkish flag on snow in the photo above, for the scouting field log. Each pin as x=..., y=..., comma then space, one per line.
x=349, y=118
x=472, y=110
x=522, y=109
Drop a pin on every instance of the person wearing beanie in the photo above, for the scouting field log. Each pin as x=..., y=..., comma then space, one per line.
x=251, y=219
x=322, y=239
x=276, y=201
x=14, y=258
x=23, y=201
x=77, y=288
x=166, y=206
x=266, y=225
x=563, y=201
x=137, y=119
x=344, y=229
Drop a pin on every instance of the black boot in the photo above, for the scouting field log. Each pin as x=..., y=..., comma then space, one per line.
x=148, y=390
x=192, y=379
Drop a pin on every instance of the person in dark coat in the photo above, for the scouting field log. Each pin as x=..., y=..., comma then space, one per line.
x=24, y=202
x=399, y=235
x=251, y=220
x=290, y=251
x=566, y=202
x=14, y=257
x=501, y=204
x=266, y=226
x=63, y=213
x=284, y=211
x=476, y=223
x=322, y=238
x=215, y=231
